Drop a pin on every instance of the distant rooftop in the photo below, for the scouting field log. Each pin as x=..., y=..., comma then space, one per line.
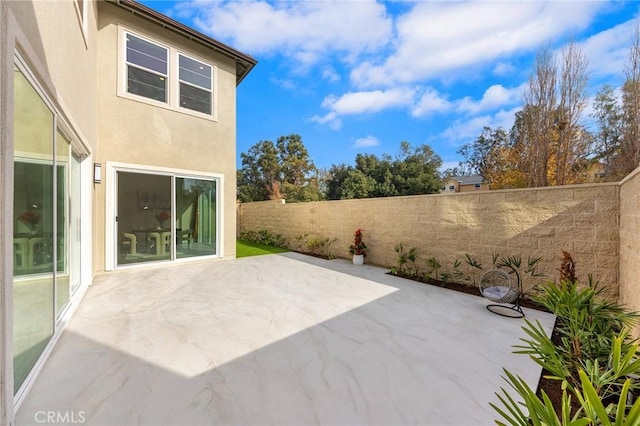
x=468, y=180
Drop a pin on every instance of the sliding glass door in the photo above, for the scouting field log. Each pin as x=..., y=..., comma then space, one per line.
x=45, y=260
x=196, y=218
x=163, y=217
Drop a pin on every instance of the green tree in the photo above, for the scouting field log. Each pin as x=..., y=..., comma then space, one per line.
x=629, y=157
x=413, y=171
x=494, y=156
x=608, y=136
x=281, y=170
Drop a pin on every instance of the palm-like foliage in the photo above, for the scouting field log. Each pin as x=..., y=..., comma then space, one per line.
x=594, y=360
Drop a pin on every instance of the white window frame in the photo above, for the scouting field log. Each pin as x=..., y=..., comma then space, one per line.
x=29, y=69
x=110, y=240
x=83, y=17
x=126, y=64
x=173, y=85
x=191, y=84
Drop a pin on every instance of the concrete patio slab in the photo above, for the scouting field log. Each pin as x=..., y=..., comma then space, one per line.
x=278, y=339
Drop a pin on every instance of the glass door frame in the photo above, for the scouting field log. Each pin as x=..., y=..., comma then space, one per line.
x=60, y=127
x=111, y=210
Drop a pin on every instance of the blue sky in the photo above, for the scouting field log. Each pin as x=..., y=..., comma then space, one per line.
x=358, y=76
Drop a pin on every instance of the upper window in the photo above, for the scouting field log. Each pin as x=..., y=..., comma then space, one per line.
x=195, y=84
x=147, y=68
x=165, y=75
x=477, y=186
x=452, y=188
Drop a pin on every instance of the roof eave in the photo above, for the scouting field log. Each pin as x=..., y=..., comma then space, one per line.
x=244, y=63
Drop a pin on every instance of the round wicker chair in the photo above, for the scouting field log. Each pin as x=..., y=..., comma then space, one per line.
x=496, y=285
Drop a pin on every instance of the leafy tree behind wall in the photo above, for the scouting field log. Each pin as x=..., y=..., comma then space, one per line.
x=413, y=171
x=282, y=170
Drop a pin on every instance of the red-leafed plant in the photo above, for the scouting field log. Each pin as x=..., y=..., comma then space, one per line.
x=358, y=246
x=162, y=216
x=30, y=217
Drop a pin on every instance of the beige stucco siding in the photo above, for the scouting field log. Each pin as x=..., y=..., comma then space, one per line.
x=139, y=133
x=62, y=58
x=49, y=37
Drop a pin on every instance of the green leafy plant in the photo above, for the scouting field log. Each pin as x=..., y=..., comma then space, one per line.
x=265, y=237
x=300, y=242
x=594, y=359
x=595, y=386
x=457, y=272
x=315, y=244
x=586, y=322
x=433, y=266
x=514, y=265
x=445, y=278
x=328, y=242
x=474, y=266
x=412, y=257
x=401, y=258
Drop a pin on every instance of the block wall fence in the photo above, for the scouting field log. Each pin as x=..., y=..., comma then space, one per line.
x=599, y=224
x=629, y=272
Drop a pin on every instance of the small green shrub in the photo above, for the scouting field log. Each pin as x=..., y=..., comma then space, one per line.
x=474, y=266
x=300, y=242
x=315, y=245
x=594, y=359
x=587, y=323
x=264, y=237
x=433, y=266
x=401, y=258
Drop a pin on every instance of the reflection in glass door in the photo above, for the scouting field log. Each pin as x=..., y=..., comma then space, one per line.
x=45, y=259
x=33, y=228
x=196, y=219
x=146, y=204
x=143, y=218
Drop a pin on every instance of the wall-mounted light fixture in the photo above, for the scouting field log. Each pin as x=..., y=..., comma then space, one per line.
x=97, y=173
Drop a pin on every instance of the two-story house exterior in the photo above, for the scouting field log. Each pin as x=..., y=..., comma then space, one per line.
x=117, y=131
x=464, y=184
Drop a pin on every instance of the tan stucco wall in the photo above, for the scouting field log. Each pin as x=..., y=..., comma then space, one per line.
x=630, y=242
x=48, y=34
x=138, y=133
x=53, y=32
x=581, y=219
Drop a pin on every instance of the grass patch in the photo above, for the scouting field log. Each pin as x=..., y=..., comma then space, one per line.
x=248, y=248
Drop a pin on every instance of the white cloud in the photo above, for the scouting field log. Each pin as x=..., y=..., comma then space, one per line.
x=466, y=130
x=331, y=119
x=502, y=69
x=368, y=102
x=284, y=83
x=430, y=101
x=419, y=102
x=303, y=30
x=608, y=51
x=494, y=97
x=330, y=75
x=366, y=142
x=435, y=38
